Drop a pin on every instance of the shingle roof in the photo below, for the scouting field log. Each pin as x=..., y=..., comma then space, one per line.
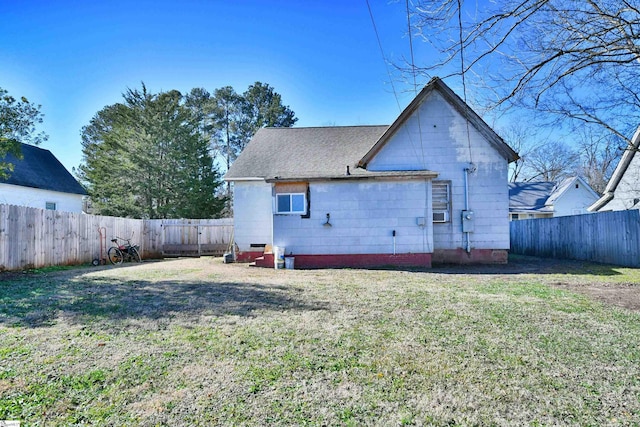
x=39, y=168
x=541, y=196
x=530, y=196
x=325, y=152
x=312, y=152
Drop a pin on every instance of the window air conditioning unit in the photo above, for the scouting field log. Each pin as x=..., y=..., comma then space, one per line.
x=440, y=216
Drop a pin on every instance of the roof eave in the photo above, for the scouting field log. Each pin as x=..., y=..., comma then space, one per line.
x=371, y=176
x=245, y=178
x=625, y=161
x=601, y=202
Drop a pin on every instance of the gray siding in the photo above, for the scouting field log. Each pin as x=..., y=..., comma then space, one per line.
x=363, y=217
x=448, y=151
x=628, y=189
x=252, y=207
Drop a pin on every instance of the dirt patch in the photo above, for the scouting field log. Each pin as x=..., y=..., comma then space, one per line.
x=598, y=281
x=619, y=295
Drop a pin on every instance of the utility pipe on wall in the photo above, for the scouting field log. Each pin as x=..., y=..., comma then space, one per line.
x=393, y=233
x=394, y=242
x=467, y=171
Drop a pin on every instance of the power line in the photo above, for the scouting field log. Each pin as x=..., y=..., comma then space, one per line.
x=464, y=83
x=386, y=63
x=413, y=66
x=415, y=84
x=393, y=87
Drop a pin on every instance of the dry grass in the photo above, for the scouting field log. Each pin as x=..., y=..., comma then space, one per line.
x=196, y=342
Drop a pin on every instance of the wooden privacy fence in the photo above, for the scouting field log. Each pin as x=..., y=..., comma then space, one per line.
x=606, y=237
x=33, y=238
x=193, y=237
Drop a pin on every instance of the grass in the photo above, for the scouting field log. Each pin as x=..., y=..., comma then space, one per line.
x=198, y=342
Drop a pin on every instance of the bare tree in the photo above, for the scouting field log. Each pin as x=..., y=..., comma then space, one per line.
x=598, y=158
x=517, y=135
x=578, y=60
x=551, y=162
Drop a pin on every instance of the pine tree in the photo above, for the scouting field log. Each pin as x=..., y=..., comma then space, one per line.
x=149, y=158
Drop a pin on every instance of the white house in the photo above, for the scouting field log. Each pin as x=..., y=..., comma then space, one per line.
x=429, y=188
x=39, y=180
x=623, y=189
x=571, y=196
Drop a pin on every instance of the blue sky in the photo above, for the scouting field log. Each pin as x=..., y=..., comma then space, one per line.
x=75, y=57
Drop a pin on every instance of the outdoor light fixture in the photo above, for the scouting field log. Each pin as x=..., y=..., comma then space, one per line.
x=328, y=224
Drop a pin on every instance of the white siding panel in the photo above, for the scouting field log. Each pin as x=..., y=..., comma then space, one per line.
x=628, y=189
x=252, y=207
x=445, y=148
x=38, y=198
x=363, y=217
x=574, y=201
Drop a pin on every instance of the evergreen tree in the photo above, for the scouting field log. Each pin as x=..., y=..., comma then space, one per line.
x=18, y=120
x=154, y=155
x=149, y=158
x=238, y=117
x=228, y=108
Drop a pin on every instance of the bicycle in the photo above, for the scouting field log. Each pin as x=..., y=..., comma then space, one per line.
x=119, y=253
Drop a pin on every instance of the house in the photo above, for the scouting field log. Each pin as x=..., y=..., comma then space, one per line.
x=623, y=190
x=431, y=187
x=571, y=196
x=39, y=180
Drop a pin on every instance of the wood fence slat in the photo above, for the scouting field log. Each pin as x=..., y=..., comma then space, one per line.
x=31, y=237
x=606, y=237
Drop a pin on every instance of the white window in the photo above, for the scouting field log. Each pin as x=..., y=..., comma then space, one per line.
x=441, y=201
x=50, y=206
x=291, y=203
x=515, y=216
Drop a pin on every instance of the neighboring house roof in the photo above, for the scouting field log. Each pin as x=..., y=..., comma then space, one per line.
x=281, y=154
x=567, y=183
x=438, y=85
x=618, y=173
x=39, y=168
x=530, y=196
x=541, y=196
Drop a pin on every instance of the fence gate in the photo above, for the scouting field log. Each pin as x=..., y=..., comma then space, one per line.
x=195, y=239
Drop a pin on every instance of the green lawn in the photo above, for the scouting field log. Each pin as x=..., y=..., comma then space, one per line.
x=197, y=342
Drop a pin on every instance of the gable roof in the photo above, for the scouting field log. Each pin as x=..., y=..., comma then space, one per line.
x=39, y=168
x=438, y=85
x=530, y=196
x=564, y=185
x=279, y=154
x=618, y=173
x=541, y=196
x=306, y=153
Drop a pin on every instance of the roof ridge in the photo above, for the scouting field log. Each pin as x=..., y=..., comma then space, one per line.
x=23, y=144
x=325, y=127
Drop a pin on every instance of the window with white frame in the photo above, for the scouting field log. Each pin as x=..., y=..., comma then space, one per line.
x=441, y=201
x=291, y=203
x=50, y=206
